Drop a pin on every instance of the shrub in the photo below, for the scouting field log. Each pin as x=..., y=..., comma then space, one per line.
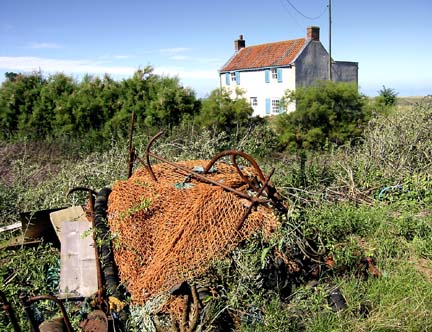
x=325, y=113
x=387, y=97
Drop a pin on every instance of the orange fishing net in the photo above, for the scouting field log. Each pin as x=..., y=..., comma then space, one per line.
x=173, y=229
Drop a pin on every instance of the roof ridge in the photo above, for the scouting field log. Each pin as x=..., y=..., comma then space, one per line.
x=276, y=42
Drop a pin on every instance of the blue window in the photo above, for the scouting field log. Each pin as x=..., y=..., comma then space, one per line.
x=237, y=77
x=227, y=78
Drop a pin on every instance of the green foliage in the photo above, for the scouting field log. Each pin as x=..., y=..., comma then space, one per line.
x=32, y=106
x=328, y=113
x=18, y=96
x=34, y=271
x=219, y=112
x=387, y=97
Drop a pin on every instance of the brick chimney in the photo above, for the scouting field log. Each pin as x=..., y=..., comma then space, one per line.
x=313, y=33
x=239, y=43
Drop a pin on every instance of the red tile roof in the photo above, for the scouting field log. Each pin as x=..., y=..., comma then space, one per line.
x=265, y=55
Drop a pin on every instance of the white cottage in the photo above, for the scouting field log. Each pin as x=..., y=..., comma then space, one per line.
x=264, y=72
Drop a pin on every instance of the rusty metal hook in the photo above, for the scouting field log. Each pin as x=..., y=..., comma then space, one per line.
x=28, y=301
x=233, y=154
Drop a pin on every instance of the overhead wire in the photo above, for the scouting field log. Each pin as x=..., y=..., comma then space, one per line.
x=305, y=16
x=294, y=19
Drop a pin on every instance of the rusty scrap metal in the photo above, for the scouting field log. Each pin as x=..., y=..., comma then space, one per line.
x=263, y=185
x=148, y=154
x=9, y=312
x=37, y=224
x=28, y=301
x=96, y=321
x=75, y=189
x=254, y=202
x=131, y=158
x=196, y=175
x=233, y=154
x=269, y=189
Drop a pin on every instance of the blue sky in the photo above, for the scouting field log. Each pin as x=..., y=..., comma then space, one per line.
x=391, y=40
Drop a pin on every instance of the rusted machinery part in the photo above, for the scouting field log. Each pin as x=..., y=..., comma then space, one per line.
x=7, y=308
x=52, y=325
x=96, y=321
x=131, y=158
x=202, y=178
x=28, y=301
x=109, y=271
x=269, y=189
x=148, y=154
x=196, y=175
x=191, y=309
x=254, y=201
x=90, y=191
x=234, y=154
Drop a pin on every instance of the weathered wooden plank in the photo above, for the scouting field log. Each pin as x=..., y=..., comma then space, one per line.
x=10, y=227
x=78, y=273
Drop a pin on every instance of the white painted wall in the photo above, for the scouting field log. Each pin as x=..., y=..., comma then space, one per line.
x=254, y=85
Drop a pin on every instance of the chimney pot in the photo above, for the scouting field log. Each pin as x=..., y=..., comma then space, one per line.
x=313, y=33
x=239, y=43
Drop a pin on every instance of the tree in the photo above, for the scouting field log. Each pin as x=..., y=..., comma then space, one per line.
x=18, y=95
x=158, y=102
x=220, y=112
x=38, y=107
x=328, y=112
x=387, y=97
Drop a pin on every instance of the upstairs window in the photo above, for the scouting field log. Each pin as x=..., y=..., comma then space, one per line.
x=253, y=101
x=274, y=73
x=235, y=77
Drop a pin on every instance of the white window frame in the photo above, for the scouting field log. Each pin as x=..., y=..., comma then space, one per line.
x=253, y=101
x=275, y=106
x=274, y=73
x=233, y=76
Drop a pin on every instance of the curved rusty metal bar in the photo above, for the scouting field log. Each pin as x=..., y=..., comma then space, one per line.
x=234, y=154
x=131, y=157
x=27, y=302
x=148, y=154
x=268, y=188
x=254, y=201
x=90, y=191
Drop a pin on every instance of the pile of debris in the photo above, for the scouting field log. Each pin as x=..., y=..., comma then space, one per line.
x=170, y=222
x=173, y=229
x=159, y=229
